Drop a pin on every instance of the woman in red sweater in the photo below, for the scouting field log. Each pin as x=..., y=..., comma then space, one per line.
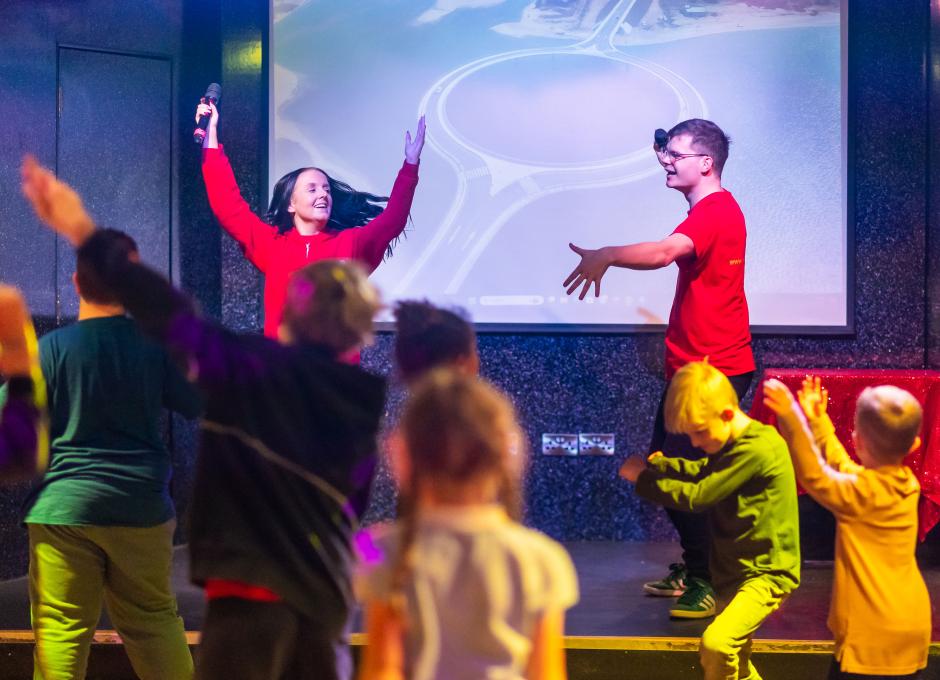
x=311, y=217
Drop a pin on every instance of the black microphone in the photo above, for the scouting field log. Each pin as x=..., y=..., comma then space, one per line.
x=660, y=138
x=212, y=96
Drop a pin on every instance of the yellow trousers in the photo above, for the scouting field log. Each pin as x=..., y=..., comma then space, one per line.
x=73, y=568
x=725, y=649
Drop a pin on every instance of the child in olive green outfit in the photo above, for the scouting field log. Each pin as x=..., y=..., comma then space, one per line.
x=101, y=519
x=747, y=488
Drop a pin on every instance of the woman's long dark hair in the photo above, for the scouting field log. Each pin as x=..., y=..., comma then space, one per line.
x=351, y=208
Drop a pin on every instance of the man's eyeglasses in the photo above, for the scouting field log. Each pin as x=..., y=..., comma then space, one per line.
x=667, y=156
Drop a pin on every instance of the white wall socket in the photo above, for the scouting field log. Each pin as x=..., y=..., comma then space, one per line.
x=559, y=444
x=595, y=444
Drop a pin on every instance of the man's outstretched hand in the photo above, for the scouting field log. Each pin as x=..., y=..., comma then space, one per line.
x=591, y=269
x=56, y=203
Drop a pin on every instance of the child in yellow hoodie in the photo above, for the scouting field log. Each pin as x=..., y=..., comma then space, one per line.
x=880, y=609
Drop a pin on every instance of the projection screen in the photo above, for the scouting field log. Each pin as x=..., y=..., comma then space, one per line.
x=540, y=120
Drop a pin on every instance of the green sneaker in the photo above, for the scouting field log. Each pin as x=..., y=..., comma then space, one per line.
x=697, y=602
x=671, y=586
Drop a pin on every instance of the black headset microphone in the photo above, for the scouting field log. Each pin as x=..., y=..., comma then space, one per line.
x=660, y=139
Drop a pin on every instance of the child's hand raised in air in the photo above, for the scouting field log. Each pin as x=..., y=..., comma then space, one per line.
x=813, y=397
x=778, y=398
x=14, y=321
x=13, y=314
x=56, y=203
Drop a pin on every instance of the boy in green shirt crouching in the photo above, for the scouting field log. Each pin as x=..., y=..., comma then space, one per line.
x=747, y=488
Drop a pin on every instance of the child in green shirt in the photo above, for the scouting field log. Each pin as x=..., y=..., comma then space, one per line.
x=747, y=488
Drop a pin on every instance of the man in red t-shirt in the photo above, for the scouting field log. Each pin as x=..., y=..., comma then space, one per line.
x=709, y=316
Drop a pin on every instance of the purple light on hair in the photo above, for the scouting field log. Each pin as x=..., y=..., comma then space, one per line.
x=301, y=290
x=369, y=553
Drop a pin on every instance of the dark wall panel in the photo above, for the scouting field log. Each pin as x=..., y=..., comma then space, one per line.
x=27, y=120
x=31, y=32
x=130, y=74
x=114, y=146
x=244, y=122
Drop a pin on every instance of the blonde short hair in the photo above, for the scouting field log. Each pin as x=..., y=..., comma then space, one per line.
x=887, y=419
x=697, y=393
x=331, y=303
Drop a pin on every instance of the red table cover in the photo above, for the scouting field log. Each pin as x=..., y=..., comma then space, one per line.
x=844, y=386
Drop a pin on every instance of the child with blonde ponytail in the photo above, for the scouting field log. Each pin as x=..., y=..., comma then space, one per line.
x=457, y=588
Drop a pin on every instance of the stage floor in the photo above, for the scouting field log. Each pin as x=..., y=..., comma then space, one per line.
x=612, y=603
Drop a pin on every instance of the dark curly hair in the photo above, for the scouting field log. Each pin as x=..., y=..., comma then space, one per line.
x=90, y=285
x=429, y=337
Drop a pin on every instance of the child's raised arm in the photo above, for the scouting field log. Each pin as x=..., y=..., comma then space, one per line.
x=56, y=203
x=835, y=490
x=16, y=359
x=206, y=352
x=814, y=398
